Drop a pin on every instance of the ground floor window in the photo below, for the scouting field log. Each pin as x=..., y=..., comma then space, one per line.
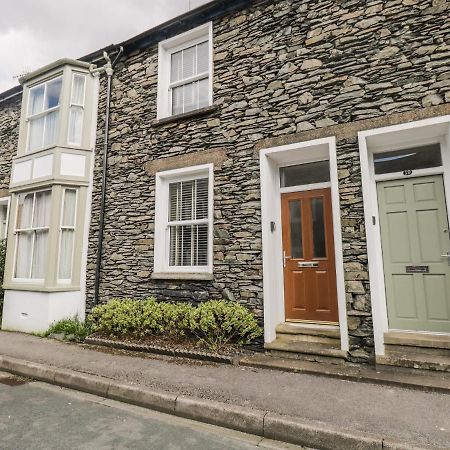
x=184, y=220
x=31, y=229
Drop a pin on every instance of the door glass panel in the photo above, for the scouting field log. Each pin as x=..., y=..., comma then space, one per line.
x=408, y=159
x=309, y=173
x=318, y=228
x=295, y=213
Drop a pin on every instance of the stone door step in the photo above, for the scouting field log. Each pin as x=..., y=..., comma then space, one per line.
x=330, y=331
x=415, y=360
x=311, y=351
x=426, y=340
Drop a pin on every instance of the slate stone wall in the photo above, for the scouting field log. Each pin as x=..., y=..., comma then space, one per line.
x=9, y=136
x=281, y=69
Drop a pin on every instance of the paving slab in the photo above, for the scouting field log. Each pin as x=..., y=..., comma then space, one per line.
x=393, y=413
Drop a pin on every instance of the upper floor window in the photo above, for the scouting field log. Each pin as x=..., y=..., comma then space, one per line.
x=185, y=72
x=43, y=114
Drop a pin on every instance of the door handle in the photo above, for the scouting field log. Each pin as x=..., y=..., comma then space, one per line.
x=447, y=255
x=285, y=258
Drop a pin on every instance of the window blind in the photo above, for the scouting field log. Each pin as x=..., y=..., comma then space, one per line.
x=189, y=77
x=188, y=223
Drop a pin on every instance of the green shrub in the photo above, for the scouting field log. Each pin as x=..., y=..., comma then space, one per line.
x=215, y=323
x=218, y=323
x=71, y=329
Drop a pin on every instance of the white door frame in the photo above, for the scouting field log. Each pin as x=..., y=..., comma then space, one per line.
x=271, y=159
x=412, y=134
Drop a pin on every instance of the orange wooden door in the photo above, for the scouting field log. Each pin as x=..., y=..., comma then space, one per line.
x=309, y=263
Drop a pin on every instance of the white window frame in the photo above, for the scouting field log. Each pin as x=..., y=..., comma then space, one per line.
x=66, y=227
x=17, y=231
x=5, y=201
x=162, y=235
x=77, y=105
x=173, y=45
x=43, y=113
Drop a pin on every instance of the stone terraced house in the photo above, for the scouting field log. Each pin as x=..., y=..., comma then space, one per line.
x=291, y=155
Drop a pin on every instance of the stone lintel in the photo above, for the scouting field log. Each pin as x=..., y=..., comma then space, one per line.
x=216, y=157
x=351, y=129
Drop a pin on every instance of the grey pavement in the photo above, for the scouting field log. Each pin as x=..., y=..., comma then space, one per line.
x=38, y=416
x=418, y=417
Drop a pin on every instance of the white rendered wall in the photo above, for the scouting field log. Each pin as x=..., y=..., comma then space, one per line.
x=30, y=311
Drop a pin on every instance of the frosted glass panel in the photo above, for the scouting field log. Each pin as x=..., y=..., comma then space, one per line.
x=309, y=173
x=408, y=159
x=78, y=89
x=24, y=211
x=75, y=125
x=51, y=128
x=66, y=254
x=40, y=255
x=53, y=93
x=68, y=218
x=23, y=258
x=36, y=100
x=41, y=216
x=36, y=133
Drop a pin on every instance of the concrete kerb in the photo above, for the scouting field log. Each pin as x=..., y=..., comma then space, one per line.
x=257, y=422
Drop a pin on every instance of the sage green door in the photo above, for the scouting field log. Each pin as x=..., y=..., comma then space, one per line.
x=414, y=236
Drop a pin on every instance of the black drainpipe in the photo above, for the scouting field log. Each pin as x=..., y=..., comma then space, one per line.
x=109, y=73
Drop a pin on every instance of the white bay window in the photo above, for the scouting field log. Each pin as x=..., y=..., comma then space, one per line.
x=184, y=208
x=32, y=228
x=43, y=114
x=185, y=72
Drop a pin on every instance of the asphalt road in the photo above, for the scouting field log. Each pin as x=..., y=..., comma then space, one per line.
x=35, y=415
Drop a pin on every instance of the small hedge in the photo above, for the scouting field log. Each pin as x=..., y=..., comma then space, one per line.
x=215, y=323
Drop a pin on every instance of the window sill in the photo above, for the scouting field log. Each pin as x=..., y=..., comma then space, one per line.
x=182, y=276
x=185, y=116
x=35, y=287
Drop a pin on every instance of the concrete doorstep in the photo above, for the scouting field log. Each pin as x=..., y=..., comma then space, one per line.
x=257, y=422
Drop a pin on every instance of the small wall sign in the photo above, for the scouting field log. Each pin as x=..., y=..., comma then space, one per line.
x=417, y=269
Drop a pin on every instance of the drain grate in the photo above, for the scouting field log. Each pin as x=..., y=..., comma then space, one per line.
x=14, y=381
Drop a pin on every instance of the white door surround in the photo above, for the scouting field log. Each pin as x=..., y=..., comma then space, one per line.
x=271, y=159
x=396, y=137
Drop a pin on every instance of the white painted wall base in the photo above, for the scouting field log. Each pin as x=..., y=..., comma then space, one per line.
x=34, y=312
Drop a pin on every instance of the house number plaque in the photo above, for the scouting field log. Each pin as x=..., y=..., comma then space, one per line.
x=417, y=269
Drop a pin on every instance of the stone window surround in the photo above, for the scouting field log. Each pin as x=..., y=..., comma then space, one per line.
x=271, y=159
x=165, y=49
x=162, y=270
x=403, y=135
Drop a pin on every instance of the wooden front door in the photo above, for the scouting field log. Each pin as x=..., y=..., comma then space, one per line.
x=309, y=263
x=415, y=241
